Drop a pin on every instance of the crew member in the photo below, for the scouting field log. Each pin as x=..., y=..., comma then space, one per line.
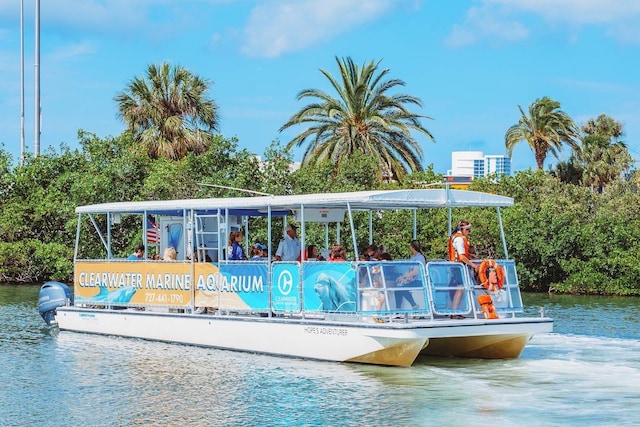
x=289, y=246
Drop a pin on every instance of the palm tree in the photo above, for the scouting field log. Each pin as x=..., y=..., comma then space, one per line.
x=602, y=162
x=545, y=129
x=363, y=117
x=604, y=125
x=604, y=156
x=168, y=113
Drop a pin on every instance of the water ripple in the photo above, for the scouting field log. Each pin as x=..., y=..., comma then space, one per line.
x=584, y=374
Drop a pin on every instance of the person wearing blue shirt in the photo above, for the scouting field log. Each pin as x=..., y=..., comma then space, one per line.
x=138, y=253
x=289, y=247
x=236, y=252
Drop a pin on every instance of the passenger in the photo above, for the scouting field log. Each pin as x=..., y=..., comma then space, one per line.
x=202, y=255
x=374, y=252
x=156, y=257
x=386, y=256
x=289, y=246
x=337, y=253
x=314, y=254
x=416, y=255
x=236, y=252
x=231, y=239
x=363, y=271
x=170, y=254
x=369, y=251
x=390, y=274
x=410, y=277
x=370, y=276
x=459, y=252
x=375, y=297
x=382, y=249
x=138, y=253
x=264, y=250
x=255, y=253
x=199, y=255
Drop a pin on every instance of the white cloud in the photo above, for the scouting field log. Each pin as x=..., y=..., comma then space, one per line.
x=503, y=19
x=580, y=12
x=484, y=23
x=277, y=27
x=72, y=51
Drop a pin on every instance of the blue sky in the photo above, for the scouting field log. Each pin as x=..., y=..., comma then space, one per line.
x=471, y=62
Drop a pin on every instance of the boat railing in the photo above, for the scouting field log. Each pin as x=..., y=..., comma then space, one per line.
x=450, y=288
x=451, y=282
x=314, y=289
x=508, y=300
x=392, y=287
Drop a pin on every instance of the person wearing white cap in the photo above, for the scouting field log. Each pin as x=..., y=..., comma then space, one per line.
x=289, y=247
x=459, y=252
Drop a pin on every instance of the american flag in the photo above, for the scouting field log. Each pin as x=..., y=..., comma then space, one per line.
x=153, y=233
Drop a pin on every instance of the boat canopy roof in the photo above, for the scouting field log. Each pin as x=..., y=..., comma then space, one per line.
x=281, y=205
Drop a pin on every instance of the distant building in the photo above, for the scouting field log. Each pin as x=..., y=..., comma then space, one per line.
x=475, y=164
x=497, y=164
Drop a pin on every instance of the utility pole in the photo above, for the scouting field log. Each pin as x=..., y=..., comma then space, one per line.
x=37, y=119
x=21, y=82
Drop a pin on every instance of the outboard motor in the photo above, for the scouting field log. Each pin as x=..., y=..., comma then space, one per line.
x=53, y=295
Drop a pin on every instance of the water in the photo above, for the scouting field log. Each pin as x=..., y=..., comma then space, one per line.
x=586, y=373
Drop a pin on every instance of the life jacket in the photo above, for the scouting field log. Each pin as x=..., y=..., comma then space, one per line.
x=488, y=309
x=453, y=254
x=483, y=273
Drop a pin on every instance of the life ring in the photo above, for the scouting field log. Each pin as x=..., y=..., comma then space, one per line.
x=483, y=273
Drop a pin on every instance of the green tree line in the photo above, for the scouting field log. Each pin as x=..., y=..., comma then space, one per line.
x=572, y=229
x=565, y=237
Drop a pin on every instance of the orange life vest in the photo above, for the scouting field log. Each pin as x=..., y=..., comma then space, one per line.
x=483, y=273
x=453, y=254
x=488, y=309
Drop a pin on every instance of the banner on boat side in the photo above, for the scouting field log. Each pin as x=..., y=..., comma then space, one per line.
x=239, y=285
x=286, y=287
x=153, y=283
x=139, y=283
x=329, y=286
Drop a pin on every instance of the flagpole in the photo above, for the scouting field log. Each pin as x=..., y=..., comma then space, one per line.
x=21, y=82
x=36, y=119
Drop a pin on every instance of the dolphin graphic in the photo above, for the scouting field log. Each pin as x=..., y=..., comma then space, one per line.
x=120, y=295
x=333, y=294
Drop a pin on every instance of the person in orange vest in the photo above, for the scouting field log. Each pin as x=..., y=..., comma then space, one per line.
x=459, y=252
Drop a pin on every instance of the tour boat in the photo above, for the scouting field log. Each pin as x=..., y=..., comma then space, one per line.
x=346, y=311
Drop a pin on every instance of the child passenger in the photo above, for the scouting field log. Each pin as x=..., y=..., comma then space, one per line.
x=255, y=253
x=338, y=253
x=236, y=252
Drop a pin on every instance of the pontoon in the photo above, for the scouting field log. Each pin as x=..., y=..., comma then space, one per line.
x=305, y=309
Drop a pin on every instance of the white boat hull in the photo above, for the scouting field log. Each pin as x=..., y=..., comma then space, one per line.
x=394, y=343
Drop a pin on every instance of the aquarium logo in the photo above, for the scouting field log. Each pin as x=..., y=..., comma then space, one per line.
x=285, y=282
